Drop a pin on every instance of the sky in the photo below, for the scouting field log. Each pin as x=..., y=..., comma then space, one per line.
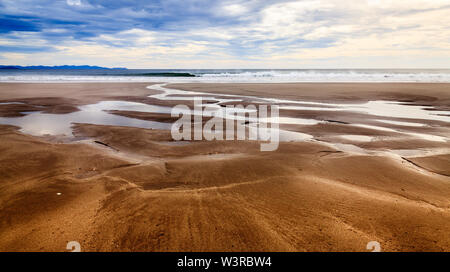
x=209, y=34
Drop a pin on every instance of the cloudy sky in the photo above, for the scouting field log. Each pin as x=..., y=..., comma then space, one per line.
x=227, y=34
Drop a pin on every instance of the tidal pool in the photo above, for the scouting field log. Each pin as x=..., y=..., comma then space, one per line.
x=39, y=123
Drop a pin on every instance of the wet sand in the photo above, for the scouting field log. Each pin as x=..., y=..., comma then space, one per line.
x=135, y=189
x=418, y=93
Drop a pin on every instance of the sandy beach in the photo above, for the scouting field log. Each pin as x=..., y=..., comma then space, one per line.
x=363, y=174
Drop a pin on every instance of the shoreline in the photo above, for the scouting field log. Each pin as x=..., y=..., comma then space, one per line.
x=169, y=81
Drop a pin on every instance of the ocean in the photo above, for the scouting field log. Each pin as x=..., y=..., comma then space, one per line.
x=225, y=75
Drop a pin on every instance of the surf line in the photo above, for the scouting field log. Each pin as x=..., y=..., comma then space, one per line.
x=238, y=120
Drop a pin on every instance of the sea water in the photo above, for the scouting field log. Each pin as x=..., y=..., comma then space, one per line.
x=226, y=75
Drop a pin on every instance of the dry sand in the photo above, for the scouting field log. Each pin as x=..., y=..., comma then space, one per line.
x=140, y=191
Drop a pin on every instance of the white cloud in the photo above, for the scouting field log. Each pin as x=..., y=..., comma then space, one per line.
x=319, y=33
x=73, y=2
x=234, y=9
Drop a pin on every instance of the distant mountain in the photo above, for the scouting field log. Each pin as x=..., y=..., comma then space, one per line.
x=61, y=67
x=8, y=67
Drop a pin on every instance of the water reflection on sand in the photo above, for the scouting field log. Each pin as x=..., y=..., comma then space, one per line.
x=39, y=123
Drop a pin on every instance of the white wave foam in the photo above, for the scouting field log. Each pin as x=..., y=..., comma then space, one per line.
x=274, y=76
x=330, y=76
x=69, y=78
